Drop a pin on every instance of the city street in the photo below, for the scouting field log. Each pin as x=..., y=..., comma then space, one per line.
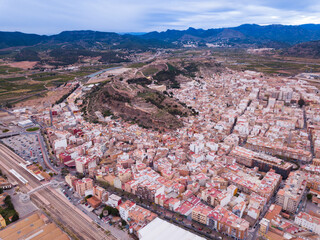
x=168, y=215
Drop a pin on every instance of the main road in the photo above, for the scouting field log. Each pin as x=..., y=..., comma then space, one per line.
x=48, y=199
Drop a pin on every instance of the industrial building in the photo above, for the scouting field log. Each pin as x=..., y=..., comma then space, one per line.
x=159, y=229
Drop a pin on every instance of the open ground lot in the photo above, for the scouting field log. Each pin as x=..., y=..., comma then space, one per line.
x=24, y=209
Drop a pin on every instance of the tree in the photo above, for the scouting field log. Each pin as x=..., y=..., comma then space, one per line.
x=112, y=211
x=309, y=196
x=1, y=190
x=104, y=184
x=123, y=223
x=79, y=175
x=301, y=102
x=8, y=105
x=8, y=202
x=15, y=217
x=89, y=196
x=64, y=171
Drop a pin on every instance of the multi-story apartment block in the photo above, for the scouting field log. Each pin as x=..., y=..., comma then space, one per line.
x=124, y=209
x=83, y=164
x=309, y=222
x=99, y=193
x=200, y=214
x=290, y=196
x=264, y=162
x=228, y=223
x=84, y=185
x=263, y=145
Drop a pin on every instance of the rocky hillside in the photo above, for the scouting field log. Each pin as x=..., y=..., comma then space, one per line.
x=138, y=104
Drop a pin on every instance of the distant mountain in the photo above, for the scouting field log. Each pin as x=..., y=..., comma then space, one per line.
x=80, y=40
x=85, y=35
x=132, y=33
x=277, y=35
x=14, y=39
x=306, y=49
x=247, y=35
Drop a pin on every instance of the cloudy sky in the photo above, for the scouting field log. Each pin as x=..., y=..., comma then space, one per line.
x=54, y=16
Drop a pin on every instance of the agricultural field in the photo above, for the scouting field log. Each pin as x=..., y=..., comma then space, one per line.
x=17, y=84
x=239, y=59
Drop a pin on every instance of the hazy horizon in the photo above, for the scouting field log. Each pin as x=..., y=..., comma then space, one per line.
x=141, y=33
x=125, y=16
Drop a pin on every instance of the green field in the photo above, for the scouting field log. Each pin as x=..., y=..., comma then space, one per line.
x=8, y=70
x=149, y=71
x=32, y=129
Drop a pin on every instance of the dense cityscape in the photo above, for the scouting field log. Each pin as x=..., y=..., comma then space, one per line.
x=159, y=120
x=245, y=166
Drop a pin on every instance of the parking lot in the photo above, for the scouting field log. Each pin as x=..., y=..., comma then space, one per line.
x=87, y=207
x=26, y=146
x=70, y=195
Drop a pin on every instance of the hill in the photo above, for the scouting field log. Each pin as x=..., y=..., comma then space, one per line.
x=135, y=103
x=17, y=39
x=307, y=49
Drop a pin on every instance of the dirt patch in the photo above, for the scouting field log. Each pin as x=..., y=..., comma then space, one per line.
x=24, y=64
x=46, y=99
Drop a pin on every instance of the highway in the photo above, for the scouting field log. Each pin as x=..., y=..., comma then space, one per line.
x=59, y=209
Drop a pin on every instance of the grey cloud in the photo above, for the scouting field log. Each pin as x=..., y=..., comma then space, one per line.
x=49, y=17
